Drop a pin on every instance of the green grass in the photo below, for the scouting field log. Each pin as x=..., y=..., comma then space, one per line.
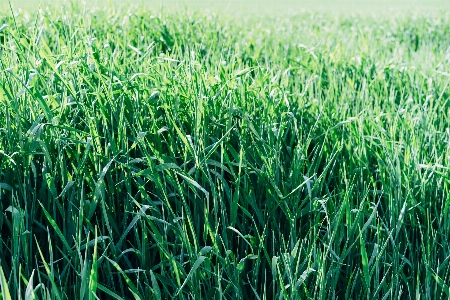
x=193, y=155
x=246, y=7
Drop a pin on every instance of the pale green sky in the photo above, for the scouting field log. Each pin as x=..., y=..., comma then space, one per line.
x=273, y=6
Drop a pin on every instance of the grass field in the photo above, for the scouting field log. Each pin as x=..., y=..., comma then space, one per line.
x=248, y=7
x=197, y=155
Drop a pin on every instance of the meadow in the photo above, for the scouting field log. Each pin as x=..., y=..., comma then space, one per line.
x=195, y=154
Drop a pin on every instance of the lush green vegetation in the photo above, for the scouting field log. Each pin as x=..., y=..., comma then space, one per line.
x=195, y=155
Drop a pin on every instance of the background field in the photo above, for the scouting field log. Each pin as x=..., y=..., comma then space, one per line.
x=273, y=7
x=245, y=153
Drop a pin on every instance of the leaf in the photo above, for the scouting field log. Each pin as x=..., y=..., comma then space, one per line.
x=29, y=292
x=304, y=276
x=308, y=185
x=5, y=186
x=133, y=222
x=56, y=228
x=66, y=188
x=197, y=264
x=51, y=184
x=127, y=279
x=442, y=284
x=215, y=146
x=94, y=270
x=180, y=134
x=92, y=242
x=194, y=183
x=400, y=220
x=155, y=286
x=2, y=93
x=42, y=102
x=241, y=235
x=80, y=167
x=166, y=166
x=9, y=157
x=243, y=72
x=241, y=264
x=365, y=262
x=109, y=292
x=205, y=250
x=274, y=267
x=4, y=286
x=49, y=273
x=105, y=170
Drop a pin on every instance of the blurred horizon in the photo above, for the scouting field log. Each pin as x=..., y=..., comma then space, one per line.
x=258, y=6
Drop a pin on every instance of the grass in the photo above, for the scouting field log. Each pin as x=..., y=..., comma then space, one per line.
x=194, y=155
x=248, y=7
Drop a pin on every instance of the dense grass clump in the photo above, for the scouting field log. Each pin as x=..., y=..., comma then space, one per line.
x=198, y=156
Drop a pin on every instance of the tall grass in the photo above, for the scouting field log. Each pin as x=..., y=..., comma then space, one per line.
x=197, y=156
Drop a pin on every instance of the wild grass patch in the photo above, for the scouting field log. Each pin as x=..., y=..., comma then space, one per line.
x=192, y=155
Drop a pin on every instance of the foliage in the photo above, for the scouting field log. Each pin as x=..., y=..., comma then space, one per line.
x=191, y=155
